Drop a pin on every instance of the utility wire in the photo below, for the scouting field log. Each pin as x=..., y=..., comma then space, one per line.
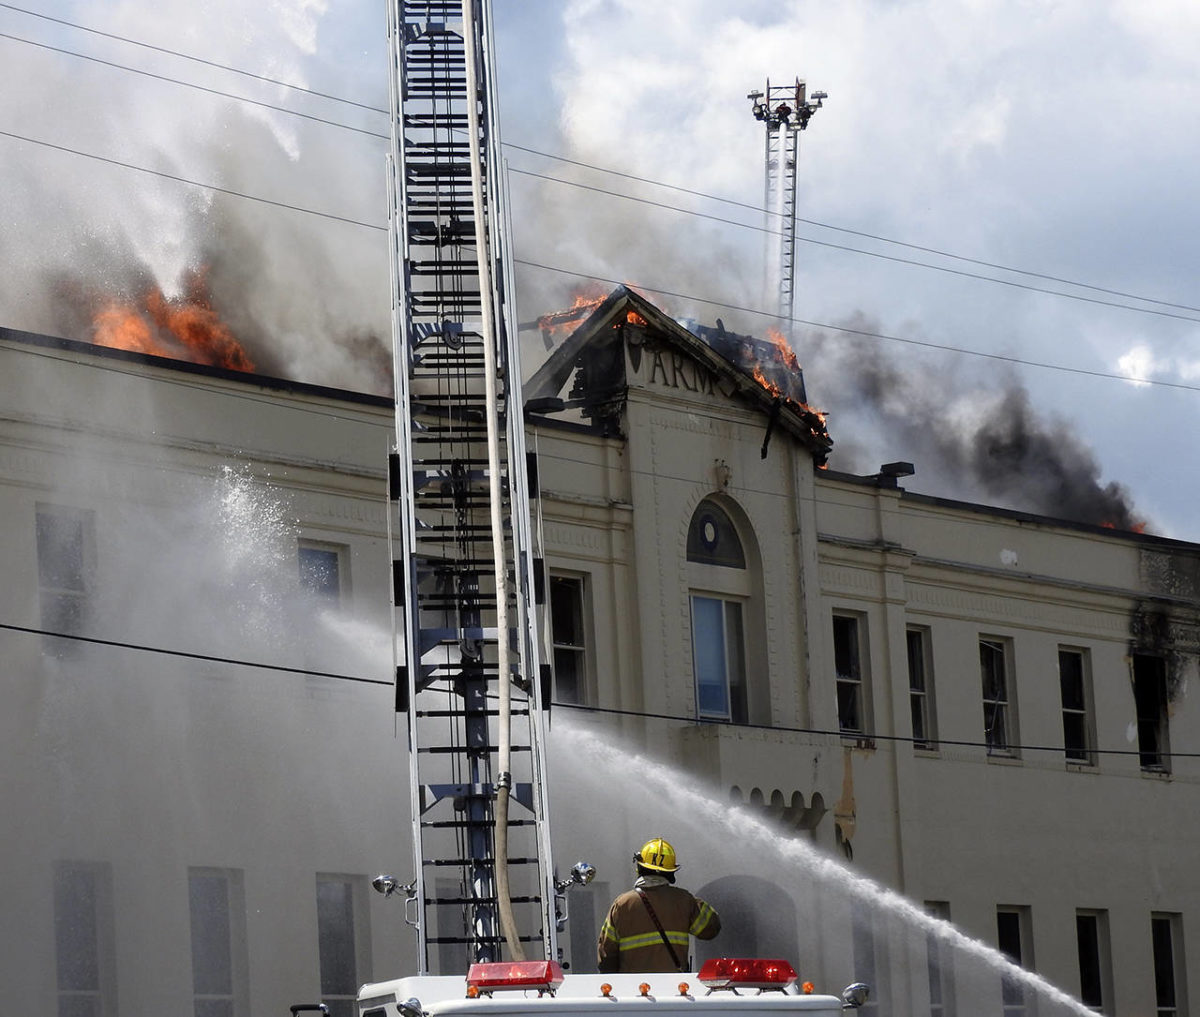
x=839, y=229
x=641, y=714
x=192, y=84
x=194, y=183
x=858, y=250
x=195, y=656
x=188, y=56
x=868, y=334
x=663, y=292
x=933, y=743
x=599, y=169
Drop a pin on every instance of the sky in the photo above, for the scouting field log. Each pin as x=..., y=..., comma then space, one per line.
x=1043, y=146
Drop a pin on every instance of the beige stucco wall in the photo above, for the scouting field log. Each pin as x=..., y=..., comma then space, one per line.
x=158, y=764
x=153, y=763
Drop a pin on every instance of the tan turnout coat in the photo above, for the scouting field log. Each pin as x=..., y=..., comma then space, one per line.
x=629, y=940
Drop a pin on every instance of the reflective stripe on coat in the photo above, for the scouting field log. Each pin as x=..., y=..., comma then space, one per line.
x=629, y=940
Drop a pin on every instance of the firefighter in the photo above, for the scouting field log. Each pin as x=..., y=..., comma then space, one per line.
x=647, y=928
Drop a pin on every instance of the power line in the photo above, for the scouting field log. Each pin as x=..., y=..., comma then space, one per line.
x=933, y=743
x=195, y=59
x=840, y=229
x=859, y=250
x=663, y=292
x=308, y=672
x=602, y=169
x=642, y=714
x=868, y=334
x=617, y=282
x=191, y=84
x=193, y=183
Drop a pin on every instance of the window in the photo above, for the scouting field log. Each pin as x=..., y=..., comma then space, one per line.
x=999, y=713
x=1013, y=940
x=64, y=553
x=1150, y=702
x=1170, y=992
x=218, y=925
x=870, y=958
x=339, y=941
x=848, y=664
x=321, y=571
x=718, y=659
x=569, y=639
x=920, y=689
x=83, y=940
x=1095, y=961
x=941, y=965
x=1074, y=678
x=713, y=539
x=723, y=570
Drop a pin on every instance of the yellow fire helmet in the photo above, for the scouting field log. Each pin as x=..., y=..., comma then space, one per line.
x=657, y=855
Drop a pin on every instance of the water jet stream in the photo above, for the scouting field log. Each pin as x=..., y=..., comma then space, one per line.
x=670, y=785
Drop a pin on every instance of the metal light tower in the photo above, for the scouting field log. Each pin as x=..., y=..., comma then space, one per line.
x=786, y=111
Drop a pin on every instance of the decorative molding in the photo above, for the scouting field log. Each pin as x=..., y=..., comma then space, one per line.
x=850, y=580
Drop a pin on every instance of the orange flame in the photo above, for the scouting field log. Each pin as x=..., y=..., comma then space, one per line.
x=182, y=328
x=787, y=355
x=766, y=382
x=633, y=318
x=1136, y=526
x=585, y=299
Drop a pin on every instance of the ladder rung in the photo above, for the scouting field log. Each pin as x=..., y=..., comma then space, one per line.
x=474, y=862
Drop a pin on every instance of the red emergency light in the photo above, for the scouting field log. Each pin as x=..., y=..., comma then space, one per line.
x=746, y=973
x=497, y=976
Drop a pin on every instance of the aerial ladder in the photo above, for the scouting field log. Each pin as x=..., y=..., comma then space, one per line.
x=468, y=676
x=785, y=111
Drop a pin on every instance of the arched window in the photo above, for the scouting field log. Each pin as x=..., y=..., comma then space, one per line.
x=720, y=595
x=712, y=538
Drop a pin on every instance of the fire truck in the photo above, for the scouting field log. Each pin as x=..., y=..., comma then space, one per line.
x=723, y=987
x=468, y=583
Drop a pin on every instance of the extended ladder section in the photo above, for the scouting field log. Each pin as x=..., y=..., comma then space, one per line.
x=785, y=110
x=468, y=676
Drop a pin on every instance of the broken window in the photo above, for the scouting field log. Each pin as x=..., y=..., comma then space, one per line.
x=998, y=708
x=848, y=664
x=920, y=689
x=1150, y=702
x=1074, y=679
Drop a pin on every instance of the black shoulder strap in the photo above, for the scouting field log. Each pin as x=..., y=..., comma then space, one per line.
x=661, y=931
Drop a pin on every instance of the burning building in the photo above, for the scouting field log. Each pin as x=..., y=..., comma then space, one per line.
x=984, y=710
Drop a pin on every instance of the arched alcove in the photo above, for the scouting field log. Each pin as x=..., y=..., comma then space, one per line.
x=758, y=919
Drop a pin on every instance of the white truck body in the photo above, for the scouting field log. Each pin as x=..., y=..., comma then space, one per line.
x=446, y=996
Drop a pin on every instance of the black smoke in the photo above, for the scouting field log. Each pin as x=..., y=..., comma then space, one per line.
x=972, y=434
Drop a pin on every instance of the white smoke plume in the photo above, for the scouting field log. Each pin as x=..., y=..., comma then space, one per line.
x=306, y=295
x=1009, y=157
